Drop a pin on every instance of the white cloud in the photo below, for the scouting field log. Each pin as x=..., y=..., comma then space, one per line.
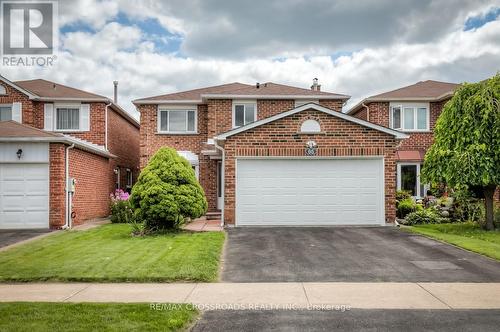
x=92, y=12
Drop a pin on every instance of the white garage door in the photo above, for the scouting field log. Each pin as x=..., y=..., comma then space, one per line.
x=24, y=196
x=298, y=192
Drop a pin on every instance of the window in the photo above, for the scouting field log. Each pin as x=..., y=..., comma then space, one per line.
x=67, y=118
x=5, y=112
x=117, y=179
x=409, y=179
x=244, y=113
x=409, y=117
x=310, y=126
x=177, y=121
x=130, y=179
x=300, y=102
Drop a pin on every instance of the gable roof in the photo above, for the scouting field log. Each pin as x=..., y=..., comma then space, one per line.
x=15, y=129
x=44, y=90
x=240, y=90
x=12, y=131
x=50, y=90
x=421, y=91
x=308, y=106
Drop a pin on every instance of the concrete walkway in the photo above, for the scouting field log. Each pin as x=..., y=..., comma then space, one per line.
x=273, y=295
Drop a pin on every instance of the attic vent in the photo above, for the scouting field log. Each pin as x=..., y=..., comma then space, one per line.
x=310, y=126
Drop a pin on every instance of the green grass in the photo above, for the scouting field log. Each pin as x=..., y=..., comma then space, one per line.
x=110, y=254
x=31, y=317
x=465, y=235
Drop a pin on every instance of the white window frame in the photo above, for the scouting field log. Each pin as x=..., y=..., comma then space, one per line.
x=177, y=109
x=419, y=185
x=300, y=102
x=8, y=105
x=415, y=107
x=244, y=103
x=68, y=105
x=130, y=178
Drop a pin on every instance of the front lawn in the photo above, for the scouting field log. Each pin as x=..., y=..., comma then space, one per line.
x=466, y=235
x=25, y=316
x=110, y=254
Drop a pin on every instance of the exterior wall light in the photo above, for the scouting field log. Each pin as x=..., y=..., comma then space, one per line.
x=19, y=153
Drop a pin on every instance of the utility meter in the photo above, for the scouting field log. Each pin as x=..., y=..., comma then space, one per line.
x=72, y=183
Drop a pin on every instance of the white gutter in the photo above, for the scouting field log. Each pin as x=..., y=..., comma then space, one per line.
x=68, y=208
x=367, y=112
x=223, y=180
x=106, y=125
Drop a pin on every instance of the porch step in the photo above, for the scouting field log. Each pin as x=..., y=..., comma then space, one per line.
x=213, y=215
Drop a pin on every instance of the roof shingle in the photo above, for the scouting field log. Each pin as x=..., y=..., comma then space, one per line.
x=48, y=89
x=240, y=89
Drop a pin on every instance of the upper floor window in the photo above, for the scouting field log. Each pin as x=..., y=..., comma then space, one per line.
x=5, y=112
x=244, y=113
x=3, y=91
x=67, y=118
x=409, y=117
x=300, y=102
x=130, y=179
x=177, y=121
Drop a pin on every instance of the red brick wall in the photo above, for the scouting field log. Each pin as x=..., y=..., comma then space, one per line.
x=281, y=138
x=333, y=104
x=57, y=185
x=219, y=117
x=267, y=108
x=15, y=96
x=361, y=114
x=91, y=199
x=123, y=141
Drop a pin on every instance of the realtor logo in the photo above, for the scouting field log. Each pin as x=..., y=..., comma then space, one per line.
x=28, y=28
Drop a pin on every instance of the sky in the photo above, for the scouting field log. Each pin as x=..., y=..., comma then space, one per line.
x=359, y=48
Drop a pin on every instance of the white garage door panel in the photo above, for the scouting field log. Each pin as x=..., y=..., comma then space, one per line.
x=24, y=196
x=309, y=192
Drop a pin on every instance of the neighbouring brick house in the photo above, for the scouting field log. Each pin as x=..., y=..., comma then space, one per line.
x=51, y=134
x=413, y=110
x=270, y=154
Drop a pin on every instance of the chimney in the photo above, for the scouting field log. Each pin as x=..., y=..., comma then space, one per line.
x=315, y=86
x=115, y=92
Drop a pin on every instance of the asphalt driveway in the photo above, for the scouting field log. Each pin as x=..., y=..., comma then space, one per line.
x=353, y=320
x=348, y=254
x=11, y=236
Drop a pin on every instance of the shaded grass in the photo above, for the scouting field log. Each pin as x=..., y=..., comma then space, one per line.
x=110, y=254
x=23, y=316
x=465, y=235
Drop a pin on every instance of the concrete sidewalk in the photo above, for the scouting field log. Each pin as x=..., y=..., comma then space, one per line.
x=277, y=295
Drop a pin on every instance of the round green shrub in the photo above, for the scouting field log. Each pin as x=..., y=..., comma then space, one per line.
x=167, y=192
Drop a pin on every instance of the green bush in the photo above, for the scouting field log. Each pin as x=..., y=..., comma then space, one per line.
x=402, y=195
x=406, y=206
x=425, y=216
x=467, y=207
x=167, y=192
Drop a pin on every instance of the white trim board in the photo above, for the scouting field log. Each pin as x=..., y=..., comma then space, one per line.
x=395, y=133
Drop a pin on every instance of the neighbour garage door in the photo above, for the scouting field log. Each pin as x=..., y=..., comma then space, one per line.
x=24, y=196
x=302, y=192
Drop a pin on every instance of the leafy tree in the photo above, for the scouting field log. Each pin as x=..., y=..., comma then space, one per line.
x=167, y=192
x=466, y=149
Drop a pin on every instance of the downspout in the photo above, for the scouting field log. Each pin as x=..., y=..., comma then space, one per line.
x=68, y=208
x=223, y=180
x=106, y=125
x=367, y=112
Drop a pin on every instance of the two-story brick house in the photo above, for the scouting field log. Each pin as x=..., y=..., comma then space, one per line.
x=414, y=110
x=51, y=134
x=271, y=154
